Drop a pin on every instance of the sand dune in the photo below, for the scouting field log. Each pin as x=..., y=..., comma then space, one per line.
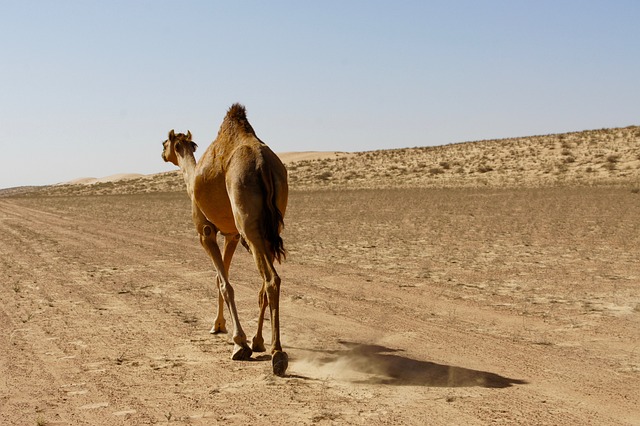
x=112, y=178
x=286, y=157
x=292, y=157
x=587, y=158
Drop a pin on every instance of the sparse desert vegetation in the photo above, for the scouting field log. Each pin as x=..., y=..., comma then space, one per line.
x=607, y=156
x=593, y=157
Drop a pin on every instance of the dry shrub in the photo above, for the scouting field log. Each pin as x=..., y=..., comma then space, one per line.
x=613, y=158
x=324, y=175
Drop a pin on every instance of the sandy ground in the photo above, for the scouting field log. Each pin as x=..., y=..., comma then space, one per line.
x=414, y=306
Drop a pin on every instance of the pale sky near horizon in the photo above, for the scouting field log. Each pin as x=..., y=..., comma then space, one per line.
x=91, y=88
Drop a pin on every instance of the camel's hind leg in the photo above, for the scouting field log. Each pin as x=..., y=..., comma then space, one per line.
x=257, y=344
x=241, y=350
x=248, y=204
x=230, y=244
x=270, y=294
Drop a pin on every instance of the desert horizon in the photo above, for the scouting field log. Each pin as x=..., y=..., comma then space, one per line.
x=588, y=157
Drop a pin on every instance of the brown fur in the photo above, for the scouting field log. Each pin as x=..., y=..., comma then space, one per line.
x=236, y=121
x=238, y=188
x=235, y=124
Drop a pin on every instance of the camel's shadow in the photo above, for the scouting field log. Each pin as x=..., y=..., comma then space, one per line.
x=382, y=365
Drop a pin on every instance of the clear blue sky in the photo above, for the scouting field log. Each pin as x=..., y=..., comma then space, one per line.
x=91, y=88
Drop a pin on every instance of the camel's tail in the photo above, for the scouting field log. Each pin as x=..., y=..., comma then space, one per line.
x=273, y=218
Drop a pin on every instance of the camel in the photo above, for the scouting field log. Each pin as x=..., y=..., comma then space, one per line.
x=238, y=189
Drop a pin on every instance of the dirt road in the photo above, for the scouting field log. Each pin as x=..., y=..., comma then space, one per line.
x=398, y=307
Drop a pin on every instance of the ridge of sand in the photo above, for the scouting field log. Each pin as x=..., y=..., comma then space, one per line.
x=586, y=158
x=112, y=178
x=291, y=157
x=286, y=157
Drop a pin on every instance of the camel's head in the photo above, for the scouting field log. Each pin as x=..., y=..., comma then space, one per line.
x=178, y=145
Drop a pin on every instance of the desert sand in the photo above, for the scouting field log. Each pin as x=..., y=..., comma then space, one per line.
x=494, y=282
x=112, y=178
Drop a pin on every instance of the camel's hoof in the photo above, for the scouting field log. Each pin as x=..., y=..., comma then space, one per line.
x=280, y=362
x=218, y=329
x=258, y=345
x=241, y=353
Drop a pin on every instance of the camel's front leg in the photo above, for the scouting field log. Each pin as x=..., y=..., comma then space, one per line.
x=230, y=244
x=241, y=350
x=219, y=326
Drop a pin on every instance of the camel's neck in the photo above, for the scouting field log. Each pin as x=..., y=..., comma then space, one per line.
x=188, y=167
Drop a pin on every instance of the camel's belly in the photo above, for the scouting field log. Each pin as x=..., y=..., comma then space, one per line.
x=214, y=203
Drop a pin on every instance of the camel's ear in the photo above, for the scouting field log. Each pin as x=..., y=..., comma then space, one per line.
x=172, y=135
x=194, y=146
x=188, y=135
